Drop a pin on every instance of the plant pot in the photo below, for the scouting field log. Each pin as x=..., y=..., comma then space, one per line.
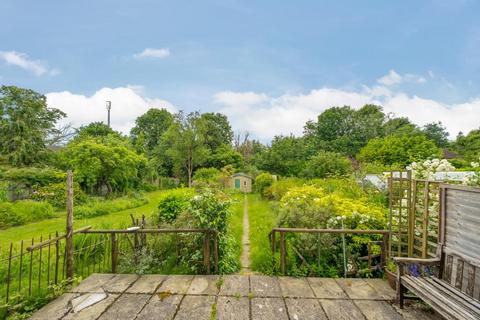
x=392, y=279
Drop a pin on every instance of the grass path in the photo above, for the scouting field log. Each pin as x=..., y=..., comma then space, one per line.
x=245, y=257
x=115, y=219
x=262, y=219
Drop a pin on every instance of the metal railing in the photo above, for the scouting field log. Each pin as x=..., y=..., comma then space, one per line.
x=31, y=268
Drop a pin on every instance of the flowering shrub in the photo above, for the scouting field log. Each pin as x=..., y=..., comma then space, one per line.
x=312, y=207
x=428, y=168
x=473, y=179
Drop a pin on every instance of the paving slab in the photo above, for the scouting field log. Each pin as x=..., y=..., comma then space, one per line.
x=264, y=286
x=160, y=307
x=176, y=284
x=383, y=289
x=269, y=309
x=119, y=283
x=233, y=308
x=94, y=311
x=295, y=287
x=126, y=307
x=358, y=289
x=326, y=288
x=55, y=309
x=146, y=284
x=235, y=286
x=305, y=309
x=93, y=283
x=205, y=285
x=377, y=310
x=341, y=310
x=196, y=307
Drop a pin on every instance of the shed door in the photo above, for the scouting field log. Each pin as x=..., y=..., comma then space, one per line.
x=237, y=183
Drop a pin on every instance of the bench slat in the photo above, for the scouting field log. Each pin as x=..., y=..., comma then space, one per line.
x=440, y=298
x=438, y=282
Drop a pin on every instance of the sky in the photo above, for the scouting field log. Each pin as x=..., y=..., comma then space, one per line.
x=270, y=66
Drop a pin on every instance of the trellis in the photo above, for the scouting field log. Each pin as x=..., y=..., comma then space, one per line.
x=414, y=215
x=400, y=195
x=424, y=219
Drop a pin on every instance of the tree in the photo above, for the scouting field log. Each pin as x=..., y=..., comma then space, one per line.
x=105, y=162
x=327, y=164
x=184, y=143
x=216, y=130
x=436, y=132
x=26, y=122
x=399, y=150
x=286, y=156
x=399, y=126
x=345, y=130
x=149, y=129
x=96, y=130
x=468, y=146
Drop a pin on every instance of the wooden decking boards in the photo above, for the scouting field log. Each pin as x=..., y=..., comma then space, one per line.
x=231, y=297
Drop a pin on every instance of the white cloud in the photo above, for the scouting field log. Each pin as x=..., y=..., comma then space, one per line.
x=266, y=116
x=393, y=78
x=153, y=53
x=127, y=105
x=23, y=61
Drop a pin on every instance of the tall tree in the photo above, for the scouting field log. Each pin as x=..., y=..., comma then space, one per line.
x=26, y=122
x=345, y=130
x=468, y=146
x=436, y=132
x=286, y=156
x=399, y=126
x=149, y=129
x=216, y=129
x=185, y=144
x=95, y=130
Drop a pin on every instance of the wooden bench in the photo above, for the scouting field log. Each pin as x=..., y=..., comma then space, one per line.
x=454, y=289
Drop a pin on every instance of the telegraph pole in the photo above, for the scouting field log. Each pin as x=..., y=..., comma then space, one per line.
x=109, y=107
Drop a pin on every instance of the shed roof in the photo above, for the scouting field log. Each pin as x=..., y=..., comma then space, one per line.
x=242, y=175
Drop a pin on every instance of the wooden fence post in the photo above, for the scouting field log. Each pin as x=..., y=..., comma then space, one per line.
x=114, y=252
x=69, y=233
x=282, y=252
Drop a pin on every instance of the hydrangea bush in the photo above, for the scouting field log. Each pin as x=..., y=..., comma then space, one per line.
x=427, y=169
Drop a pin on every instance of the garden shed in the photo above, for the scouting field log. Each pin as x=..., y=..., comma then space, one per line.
x=240, y=181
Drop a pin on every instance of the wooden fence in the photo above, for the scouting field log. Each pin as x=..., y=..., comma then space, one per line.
x=282, y=243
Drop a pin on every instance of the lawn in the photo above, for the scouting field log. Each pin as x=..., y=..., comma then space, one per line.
x=46, y=227
x=262, y=219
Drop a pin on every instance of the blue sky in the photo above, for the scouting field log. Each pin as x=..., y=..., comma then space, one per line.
x=263, y=63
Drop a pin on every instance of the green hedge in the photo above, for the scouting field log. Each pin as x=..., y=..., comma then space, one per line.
x=22, y=212
x=99, y=207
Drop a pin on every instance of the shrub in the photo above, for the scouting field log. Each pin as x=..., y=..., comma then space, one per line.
x=31, y=176
x=21, y=212
x=172, y=203
x=280, y=187
x=327, y=164
x=208, y=176
x=56, y=194
x=262, y=182
x=398, y=150
x=99, y=206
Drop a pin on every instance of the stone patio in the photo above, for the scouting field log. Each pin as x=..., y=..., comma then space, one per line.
x=231, y=297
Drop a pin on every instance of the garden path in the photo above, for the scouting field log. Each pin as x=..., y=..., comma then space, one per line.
x=245, y=257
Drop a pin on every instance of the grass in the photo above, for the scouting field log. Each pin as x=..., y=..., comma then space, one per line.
x=116, y=219
x=262, y=219
x=235, y=223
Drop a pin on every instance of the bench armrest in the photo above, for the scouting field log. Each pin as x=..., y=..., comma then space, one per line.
x=431, y=261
